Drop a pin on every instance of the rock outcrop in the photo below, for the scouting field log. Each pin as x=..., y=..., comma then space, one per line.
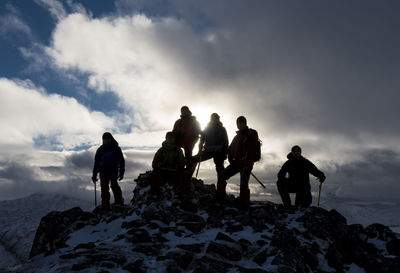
x=194, y=233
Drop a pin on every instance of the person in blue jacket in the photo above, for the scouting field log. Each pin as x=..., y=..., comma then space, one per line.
x=110, y=163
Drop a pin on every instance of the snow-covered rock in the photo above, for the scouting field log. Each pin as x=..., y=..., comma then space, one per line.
x=194, y=233
x=20, y=218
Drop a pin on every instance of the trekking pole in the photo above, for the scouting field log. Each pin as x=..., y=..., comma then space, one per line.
x=258, y=180
x=319, y=194
x=198, y=166
x=95, y=195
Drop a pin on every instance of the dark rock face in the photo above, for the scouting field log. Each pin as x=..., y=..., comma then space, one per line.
x=55, y=227
x=228, y=252
x=195, y=233
x=393, y=247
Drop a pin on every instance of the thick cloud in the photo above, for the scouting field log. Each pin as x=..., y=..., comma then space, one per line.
x=320, y=75
x=298, y=73
x=28, y=116
x=375, y=176
x=63, y=172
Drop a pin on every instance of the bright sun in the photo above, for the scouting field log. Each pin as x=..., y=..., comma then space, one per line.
x=203, y=115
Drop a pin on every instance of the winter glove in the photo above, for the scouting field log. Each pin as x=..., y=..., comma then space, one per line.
x=322, y=178
x=121, y=176
x=94, y=179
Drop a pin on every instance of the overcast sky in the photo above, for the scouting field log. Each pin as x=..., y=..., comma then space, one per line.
x=320, y=74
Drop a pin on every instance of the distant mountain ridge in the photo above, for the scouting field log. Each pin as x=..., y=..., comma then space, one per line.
x=20, y=218
x=197, y=234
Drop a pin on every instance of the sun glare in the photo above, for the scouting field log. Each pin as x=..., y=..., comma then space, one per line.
x=203, y=115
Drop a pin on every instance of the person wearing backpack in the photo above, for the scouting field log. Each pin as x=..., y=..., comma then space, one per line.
x=213, y=144
x=298, y=169
x=242, y=153
x=168, y=163
x=110, y=163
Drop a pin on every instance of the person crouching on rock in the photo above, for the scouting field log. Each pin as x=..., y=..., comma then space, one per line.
x=110, y=163
x=168, y=163
x=298, y=181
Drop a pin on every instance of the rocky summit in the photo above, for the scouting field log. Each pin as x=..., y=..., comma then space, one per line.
x=192, y=232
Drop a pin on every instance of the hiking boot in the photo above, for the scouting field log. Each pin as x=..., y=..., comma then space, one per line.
x=245, y=199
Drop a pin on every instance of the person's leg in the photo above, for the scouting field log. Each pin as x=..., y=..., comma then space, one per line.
x=219, y=164
x=303, y=198
x=227, y=173
x=155, y=182
x=244, y=186
x=202, y=156
x=105, y=189
x=283, y=189
x=116, y=189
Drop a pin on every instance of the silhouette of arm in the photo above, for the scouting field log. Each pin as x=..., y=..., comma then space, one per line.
x=315, y=171
x=283, y=171
x=96, y=167
x=196, y=129
x=157, y=159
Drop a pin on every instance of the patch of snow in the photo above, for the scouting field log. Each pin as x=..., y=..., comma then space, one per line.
x=379, y=244
x=353, y=268
x=323, y=264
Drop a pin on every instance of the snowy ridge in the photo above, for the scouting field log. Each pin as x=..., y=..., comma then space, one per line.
x=194, y=233
x=20, y=218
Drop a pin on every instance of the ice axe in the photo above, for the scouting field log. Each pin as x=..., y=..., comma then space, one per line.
x=258, y=180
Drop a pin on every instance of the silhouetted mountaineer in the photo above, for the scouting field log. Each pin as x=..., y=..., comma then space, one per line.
x=187, y=130
x=110, y=162
x=242, y=153
x=168, y=163
x=215, y=141
x=298, y=181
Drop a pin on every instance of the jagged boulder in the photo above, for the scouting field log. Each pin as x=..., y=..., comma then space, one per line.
x=55, y=227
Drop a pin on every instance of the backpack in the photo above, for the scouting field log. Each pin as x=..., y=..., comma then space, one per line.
x=258, y=145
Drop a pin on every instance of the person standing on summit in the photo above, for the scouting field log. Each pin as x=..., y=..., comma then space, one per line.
x=110, y=163
x=213, y=144
x=187, y=131
x=298, y=169
x=242, y=153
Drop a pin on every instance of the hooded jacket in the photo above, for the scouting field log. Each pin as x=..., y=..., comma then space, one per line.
x=299, y=170
x=187, y=130
x=169, y=156
x=243, y=148
x=110, y=156
x=215, y=138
